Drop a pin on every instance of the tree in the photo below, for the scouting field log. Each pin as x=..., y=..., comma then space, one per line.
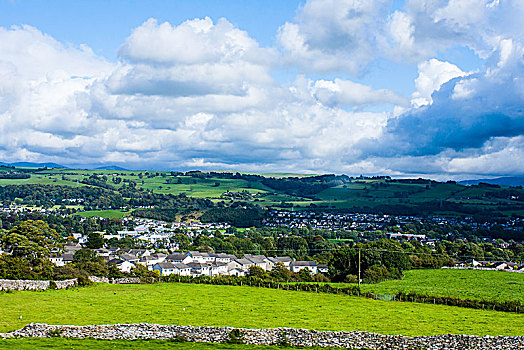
x=257, y=271
x=95, y=240
x=32, y=240
x=304, y=275
x=89, y=261
x=280, y=272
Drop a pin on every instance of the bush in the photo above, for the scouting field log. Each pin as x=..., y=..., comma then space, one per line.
x=236, y=336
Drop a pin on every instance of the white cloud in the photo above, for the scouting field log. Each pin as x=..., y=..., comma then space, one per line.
x=432, y=74
x=201, y=94
x=341, y=92
x=334, y=35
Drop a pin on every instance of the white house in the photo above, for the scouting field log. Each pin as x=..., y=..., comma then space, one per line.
x=122, y=265
x=179, y=258
x=57, y=260
x=271, y=262
x=236, y=272
x=258, y=260
x=165, y=268
x=296, y=266
x=198, y=269
x=241, y=264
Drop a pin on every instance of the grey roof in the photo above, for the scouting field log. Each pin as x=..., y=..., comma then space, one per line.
x=176, y=256
x=223, y=256
x=129, y=257
x=115, y=261
x=67, y=257
x=304, y=263
x=181, y=266
x=165, y=265
x=197, y=266
x=257, y=260
x=244, y=261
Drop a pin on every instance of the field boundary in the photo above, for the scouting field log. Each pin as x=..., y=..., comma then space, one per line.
x=271, y=336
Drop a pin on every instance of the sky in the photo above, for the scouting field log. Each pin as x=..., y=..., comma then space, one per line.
x=430, y=88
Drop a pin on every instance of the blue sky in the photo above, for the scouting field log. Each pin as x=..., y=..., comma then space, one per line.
x=407, y=88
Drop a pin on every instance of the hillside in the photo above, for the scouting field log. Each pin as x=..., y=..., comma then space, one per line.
x=320, y=192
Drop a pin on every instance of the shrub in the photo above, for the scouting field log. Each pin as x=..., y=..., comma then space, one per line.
x=236, y=336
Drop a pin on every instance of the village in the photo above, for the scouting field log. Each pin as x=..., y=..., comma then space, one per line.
x=192, y=263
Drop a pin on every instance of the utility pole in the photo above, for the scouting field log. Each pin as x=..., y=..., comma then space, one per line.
x=359, y=268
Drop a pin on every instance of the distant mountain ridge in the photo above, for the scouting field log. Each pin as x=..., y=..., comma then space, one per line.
x=34, y=165
x=501, y=181
x=111, y=167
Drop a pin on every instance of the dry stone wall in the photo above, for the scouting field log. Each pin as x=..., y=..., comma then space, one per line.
x=277, y=336
x=35, y=285
x=125, y=280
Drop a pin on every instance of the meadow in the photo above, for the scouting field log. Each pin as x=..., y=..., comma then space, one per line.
x=110, y=213
x=463, y=284
x=368, y=193
x=250, y=307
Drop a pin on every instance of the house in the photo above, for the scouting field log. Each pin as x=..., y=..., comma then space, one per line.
x=179, y=258
x=218, y=268
x=131, y=258
x=201, y=257
x=122, y=265
x=138, y=252
x=258, y=260
x=236, y=272
x=296, y=266
x=224, y=258
x=67, y=258
x=182, y=269
x=198, y=269
x=241, y=264
x=165, y=268
x=286, y=260
x=57, y=260
x=152, y=259
x=323, y=268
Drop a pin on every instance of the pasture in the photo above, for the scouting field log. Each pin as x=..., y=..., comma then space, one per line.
x=463, y=284
x=359, y=193
x=249, y=307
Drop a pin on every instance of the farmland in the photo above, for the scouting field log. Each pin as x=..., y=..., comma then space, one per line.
x=250, y=307
x=463, y=284
x=348, y=194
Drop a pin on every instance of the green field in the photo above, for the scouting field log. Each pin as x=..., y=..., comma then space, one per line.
x=88, y=344
x=464, y=284
x=115, y=213
x=250, y=307
x=359, y=193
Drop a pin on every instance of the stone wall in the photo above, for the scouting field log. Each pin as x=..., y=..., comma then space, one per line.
x=96, y=279
x=277, y=336
x=125, y=280
x=35, y=285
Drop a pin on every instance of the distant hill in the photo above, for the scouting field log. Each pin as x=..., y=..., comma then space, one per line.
x=111, y=167
x=34, y=165
x=502, y=181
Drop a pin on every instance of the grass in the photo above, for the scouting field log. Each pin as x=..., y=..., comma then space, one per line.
x=251, y=307
x=370, y=193
x=115, y=213
x=464, y=284
x=88, y=344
